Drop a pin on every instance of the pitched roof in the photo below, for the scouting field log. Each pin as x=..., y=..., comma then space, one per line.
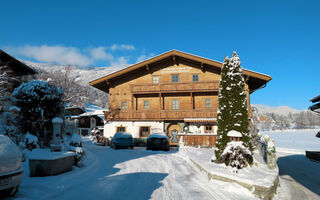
x=256, y=78
x=19, y=67
x=315, y=99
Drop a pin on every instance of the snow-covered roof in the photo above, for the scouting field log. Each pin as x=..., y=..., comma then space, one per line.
x=200, y=119
x=234, y=133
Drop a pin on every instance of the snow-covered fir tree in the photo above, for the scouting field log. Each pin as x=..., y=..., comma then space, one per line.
x=232, y=111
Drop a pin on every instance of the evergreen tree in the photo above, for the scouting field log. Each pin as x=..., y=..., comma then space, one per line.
x=232, y=111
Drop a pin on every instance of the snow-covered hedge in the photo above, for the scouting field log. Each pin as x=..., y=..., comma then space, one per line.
x=236, y=155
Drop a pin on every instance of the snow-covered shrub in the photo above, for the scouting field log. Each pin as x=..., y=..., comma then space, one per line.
x=30, y=141
x=74, y=144
x=75, y=140
x=39, y=102
x=236, y=155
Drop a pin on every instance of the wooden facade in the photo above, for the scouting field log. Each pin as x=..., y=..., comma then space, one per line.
x=170, y=88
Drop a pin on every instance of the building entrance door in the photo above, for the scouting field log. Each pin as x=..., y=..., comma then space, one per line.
x=173, y=131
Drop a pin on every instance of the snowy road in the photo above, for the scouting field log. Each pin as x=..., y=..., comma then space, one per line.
x=299, y=177
x=131, y=174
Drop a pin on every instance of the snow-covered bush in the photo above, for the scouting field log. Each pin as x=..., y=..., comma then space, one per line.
x=39, y=102
x=30, y=141
x=236, y=155
x=75, y=140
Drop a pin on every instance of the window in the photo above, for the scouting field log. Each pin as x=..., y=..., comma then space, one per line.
x=121, y=129
x=155, y=79
x=208, y=103
x=145, y=104
x=124, y=105
x=175, y=104
x=195, y=78
x=175, y=78
x=208, y=129
x=144, y=131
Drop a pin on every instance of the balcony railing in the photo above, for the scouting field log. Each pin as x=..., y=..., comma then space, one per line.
x=175, y=87
x=166, y=114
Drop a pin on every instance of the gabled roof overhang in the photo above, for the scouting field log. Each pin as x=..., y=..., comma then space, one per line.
x=20, y=68
x=255, y=80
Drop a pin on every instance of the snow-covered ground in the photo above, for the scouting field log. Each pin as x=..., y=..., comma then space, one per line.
x=142, y=174
x=299, y=176
x=130, y=174
x=295, y=141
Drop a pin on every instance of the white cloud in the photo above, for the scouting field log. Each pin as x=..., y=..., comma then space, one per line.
x=144, y=57
x=99, y=53
x=121, y=47
x=55, y=54
x=120, y=61
x=83, y=57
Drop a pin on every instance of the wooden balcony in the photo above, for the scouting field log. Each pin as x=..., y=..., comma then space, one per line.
x=175, y=87
x=166, y=114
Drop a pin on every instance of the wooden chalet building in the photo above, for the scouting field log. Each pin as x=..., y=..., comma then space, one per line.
x=174, y=92
x=14, y=71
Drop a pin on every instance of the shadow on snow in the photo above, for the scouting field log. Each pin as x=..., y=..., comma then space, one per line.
x=301, y=169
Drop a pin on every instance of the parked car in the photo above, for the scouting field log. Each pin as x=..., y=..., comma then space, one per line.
x=158, y=141
x=121, y=140
x=11, y=171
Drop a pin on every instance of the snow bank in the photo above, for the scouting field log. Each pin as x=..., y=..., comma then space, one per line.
x=46, y=154
x=300, y=140
x=257, y=178
x=234, y=133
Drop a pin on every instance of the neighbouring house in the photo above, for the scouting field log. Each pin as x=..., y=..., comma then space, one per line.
x=315, y=107
x=84, y=120
x=175, y=93
x=12, y=75
x=14, y=71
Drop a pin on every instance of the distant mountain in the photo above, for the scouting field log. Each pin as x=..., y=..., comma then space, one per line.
x=81, y=75
x=281, y=110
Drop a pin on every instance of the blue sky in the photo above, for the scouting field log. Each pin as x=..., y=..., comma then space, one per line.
x=279, y=38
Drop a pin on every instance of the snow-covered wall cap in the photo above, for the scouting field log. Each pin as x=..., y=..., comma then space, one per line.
x=234, y=133
x=57, y=120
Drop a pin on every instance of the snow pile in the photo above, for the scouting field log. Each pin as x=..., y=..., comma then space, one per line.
x=234, y=133
x=236, y=155
x=30, y=139
x=257, y=174
x=75, y=140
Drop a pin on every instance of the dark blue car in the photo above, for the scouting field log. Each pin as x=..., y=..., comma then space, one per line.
x=121, y=140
